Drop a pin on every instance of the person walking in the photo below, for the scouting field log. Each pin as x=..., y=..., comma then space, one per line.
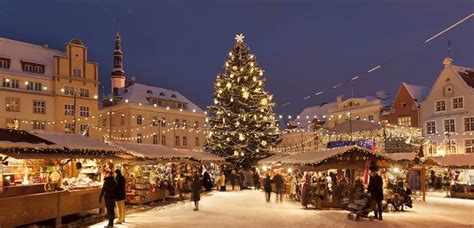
x=256, y=180
x=233, y=179
x=278, y=180
x=120, y=199
x=196, y=191
x=222, y=182
x=242, y=180
x=376, y=192
x=109, y=192
x=206, y=181
x=267, y=187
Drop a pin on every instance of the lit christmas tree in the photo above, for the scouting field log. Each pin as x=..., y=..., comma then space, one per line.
x=242, y=124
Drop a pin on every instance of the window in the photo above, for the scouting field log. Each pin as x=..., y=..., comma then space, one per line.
x=12, y=123
x=84, y=111
x=11, y=83
x=196, y=141
x=69, y=110
x=440, y=106
x=176, y=141
x=185, y=141
x=104, y=121
x=4, y=63
x=370, y=117
x=139, y=138
x=69, y=128
x=12, y=104
x=451, y=147
x=430, y=127
x=196, y=124
x=139, y=119
x=469, y=124
x=469, y=145
x=156, y=122
x=458, y=103
x=163, y=122
x=38, y=125
x=155, y=139
x=404, y=121
x=33, y=67
x=84, y=92
x=39, y=107
x=76, y=73
x=38, y=86
x=84, y=130
x=184, y=123
x=163, y=140
x=176, y=122
x=122, y=119
x=449, y=125
x=68, y=90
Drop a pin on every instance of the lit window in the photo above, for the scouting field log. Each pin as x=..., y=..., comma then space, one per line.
x=12, y=123
x=84, y=130
x=69, y=128
x=430, y=127
x=12, y=104
x=441, y=106
x=163, y=122
x=38, y=125
x=76, y=73
x=450, y=146
x=11, y=83
x=176, y=122
x=39, y=107
x=155, y=122
x=83, y=92
x=139, y=138
x=139, y=119
x=449, y=125
x=458, y=103
x=404, y=121
x=68, y=90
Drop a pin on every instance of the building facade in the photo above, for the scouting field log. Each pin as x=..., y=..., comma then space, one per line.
x=357, y=108
x=48, y=89
x=139, y=113
x=405, y=109
x=447, y=113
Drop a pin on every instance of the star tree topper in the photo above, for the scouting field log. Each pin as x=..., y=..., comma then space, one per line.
x=239, y=38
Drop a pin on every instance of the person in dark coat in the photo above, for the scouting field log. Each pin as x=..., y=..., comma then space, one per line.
x=109, y=193
x=206, y=181
x=256, y=180
x=242, y=180
x=267, y=187
x=376, y=192
x=120, y=199
x=278, y=180
x=196, y=191
x=233, y=179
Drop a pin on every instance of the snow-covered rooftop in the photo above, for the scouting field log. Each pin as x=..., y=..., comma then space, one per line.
x=466, y=74
x=73, y=141
x=317, y=111
x=138, y=93
x=18, y=51
x=417, y=92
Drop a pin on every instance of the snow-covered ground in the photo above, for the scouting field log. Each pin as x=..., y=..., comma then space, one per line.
x=249, y=209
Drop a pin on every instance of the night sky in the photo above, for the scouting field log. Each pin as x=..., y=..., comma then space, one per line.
x=304, y=46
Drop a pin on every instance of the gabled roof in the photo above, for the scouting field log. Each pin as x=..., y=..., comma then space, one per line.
x=466, y=74
x=138, y=93
x=317, y=111
x=417, y=92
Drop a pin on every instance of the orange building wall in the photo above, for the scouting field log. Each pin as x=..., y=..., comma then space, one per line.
x=398, y=110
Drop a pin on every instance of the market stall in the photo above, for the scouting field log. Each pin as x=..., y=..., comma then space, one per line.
x=49, y=175
x=460, y=172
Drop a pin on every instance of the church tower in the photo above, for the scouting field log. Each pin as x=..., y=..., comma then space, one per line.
x=118, y=74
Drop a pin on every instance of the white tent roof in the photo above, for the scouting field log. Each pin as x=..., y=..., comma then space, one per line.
x=73, y=141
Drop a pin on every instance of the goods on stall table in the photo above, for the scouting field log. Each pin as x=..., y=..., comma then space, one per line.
x=81, y=182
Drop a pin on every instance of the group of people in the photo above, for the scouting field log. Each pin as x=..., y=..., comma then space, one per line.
x=113, y=193
x=279, y=184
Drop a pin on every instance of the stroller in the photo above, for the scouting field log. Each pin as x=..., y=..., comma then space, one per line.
x=360, y=208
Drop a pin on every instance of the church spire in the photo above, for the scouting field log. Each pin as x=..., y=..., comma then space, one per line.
x=118, y=74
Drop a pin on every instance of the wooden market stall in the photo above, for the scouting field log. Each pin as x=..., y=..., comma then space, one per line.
x=463, y=167
x=41, y=178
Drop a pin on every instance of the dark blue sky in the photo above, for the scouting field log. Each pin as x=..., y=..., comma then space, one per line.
x=304, y=46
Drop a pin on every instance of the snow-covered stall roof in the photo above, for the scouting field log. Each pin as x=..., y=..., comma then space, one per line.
x=319, y=156
x=139, y=93
x=455, y=160
x=205, y=156
x=273, y=159
x=150, y=151
x=18, y=139
x=401, y=156
x=355, y=125
x=74, y=141
x=308, y=114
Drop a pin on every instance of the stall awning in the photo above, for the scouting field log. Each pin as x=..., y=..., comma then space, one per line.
x=74, y=141
x=455, y=160
x=151, y=151
x=205, y=156
x=318, y=157
x=401, y=156
x=273, y=159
